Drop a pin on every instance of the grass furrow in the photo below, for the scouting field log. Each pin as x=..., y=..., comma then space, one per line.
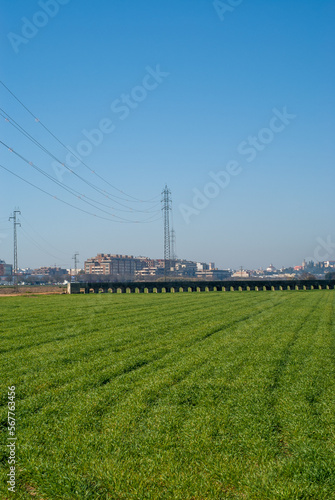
x=188, y=396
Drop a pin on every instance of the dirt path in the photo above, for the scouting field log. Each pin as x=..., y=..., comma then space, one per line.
x=31, y=290
x=30, y=294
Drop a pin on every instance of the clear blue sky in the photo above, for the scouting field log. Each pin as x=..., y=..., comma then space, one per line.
x=221, y=78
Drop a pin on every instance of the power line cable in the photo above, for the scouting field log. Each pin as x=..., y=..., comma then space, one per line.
x=72, y=191
x=64, y=146
x=45, y=150
x=73, y=206
x=32, y=240
x=26, y=222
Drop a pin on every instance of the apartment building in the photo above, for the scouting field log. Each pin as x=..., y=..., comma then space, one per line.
x=5, y=269
x=112, y=264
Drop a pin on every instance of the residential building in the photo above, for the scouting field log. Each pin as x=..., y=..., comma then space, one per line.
x=202, y=266
x=214, y=274
x=113, y=265
x=5, y=269
x=49, y=271
x=241, y=274
x=185, y=268
x=149, y=272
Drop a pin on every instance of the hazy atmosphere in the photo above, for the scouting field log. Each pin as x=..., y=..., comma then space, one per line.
x=232, y=108
x=167, y=249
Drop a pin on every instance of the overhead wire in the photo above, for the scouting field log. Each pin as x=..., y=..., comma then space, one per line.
x=26, y=222
x=17, y=126
x=73, y=206
x=32, y=240
x=64, y=146
x=60, y=184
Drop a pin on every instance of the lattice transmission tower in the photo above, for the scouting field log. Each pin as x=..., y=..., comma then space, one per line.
x=76, y=260
x=15, y=224
x=166, y=207
x=173, y=244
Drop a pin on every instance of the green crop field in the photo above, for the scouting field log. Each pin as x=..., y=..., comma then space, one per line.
x=189, y=396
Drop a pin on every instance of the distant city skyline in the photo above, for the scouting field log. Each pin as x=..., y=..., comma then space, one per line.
x=116, y=267
x=324, y=264
x=232, y=109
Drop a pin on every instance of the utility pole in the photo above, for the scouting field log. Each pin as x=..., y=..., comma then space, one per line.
x=75, y=258
x=173, y=249
x=166, y=207
x=15, y=224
